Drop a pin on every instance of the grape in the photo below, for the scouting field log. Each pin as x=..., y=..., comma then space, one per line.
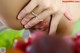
x=50, y=44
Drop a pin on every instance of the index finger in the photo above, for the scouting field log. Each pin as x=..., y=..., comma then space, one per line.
x=27, y=9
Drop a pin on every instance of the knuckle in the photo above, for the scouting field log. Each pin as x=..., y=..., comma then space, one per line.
x=30, y=16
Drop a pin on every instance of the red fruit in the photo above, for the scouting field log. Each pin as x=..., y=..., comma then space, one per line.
x=77, y=43
x=33, y=37
x=49, y=44
x=20, y=44
x=28, y=41
x=69, y=39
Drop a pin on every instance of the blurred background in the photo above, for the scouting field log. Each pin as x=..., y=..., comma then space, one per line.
x=8, y=35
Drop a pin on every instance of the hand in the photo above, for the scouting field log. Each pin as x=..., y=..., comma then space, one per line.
x=42, y=8
x=44, y=25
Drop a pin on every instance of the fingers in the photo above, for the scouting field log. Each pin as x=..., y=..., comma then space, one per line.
x=30, y=16
x=26, y=19
x=38, y=10
x=44, y=26
x=28, y=9
x=54, y=22
x=39, y=18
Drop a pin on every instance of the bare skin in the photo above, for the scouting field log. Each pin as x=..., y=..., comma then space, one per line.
x=10, y=9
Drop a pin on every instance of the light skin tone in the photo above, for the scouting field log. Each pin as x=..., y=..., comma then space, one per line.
x=9, y=10
x=42, y=9
x=71, y=13
x=13, y=7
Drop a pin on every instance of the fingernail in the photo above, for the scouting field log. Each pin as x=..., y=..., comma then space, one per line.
x=27, y=26
x=19, y=17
